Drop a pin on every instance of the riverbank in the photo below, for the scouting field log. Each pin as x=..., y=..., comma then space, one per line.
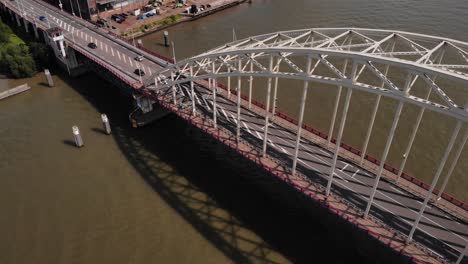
x=134, y=28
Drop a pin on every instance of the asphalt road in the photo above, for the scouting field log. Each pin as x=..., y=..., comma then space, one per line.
x=110, y=50
x=442, y=233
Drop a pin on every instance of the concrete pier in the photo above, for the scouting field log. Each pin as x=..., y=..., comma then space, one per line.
x=76, y=134
x=49, y=79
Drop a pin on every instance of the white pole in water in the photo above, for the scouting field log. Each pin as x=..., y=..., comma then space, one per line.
x=76, y=134
x=105, y=123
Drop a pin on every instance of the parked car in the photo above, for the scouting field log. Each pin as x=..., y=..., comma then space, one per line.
x=92, y=45
x=139, y=72
x=42, y=18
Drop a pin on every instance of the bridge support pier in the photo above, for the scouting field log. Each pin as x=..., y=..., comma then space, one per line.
x=17, y=20
x=11, y=15
x=36, y=33
x=436, y=178
x=25, y=24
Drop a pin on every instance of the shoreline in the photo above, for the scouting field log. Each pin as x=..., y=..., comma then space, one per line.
x=185, y=19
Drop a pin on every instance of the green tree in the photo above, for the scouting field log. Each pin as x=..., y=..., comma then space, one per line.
x=19, y=62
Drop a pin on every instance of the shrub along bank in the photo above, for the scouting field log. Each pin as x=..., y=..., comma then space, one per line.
x=18, y=59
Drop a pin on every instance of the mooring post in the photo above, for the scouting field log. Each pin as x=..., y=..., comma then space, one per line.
x=76, y=134
x=105, y=123
x=50, y=81
x=166, y=38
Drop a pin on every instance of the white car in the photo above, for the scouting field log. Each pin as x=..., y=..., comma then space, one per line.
x=139, y=58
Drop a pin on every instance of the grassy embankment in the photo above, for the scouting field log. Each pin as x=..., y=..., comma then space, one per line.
x=18, y=59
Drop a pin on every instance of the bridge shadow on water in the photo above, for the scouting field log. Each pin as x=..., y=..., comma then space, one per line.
x=245, y=213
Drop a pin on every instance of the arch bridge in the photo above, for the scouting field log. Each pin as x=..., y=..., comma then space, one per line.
x=215, y=92
x=422, y=71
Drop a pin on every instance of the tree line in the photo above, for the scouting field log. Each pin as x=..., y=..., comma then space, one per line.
x=18, y=59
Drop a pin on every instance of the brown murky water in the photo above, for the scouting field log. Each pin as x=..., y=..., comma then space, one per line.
x=165, y=193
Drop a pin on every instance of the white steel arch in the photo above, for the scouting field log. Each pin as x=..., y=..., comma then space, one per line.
x=382, y=62
x=418, y=55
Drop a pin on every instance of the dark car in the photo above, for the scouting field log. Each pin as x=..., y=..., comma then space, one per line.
x=42, y=18
x=139, y=72
x=92, y=45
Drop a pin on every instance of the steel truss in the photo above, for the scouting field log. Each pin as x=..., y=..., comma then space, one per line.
x=411, y=68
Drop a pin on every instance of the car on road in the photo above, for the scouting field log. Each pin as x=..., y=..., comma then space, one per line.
x=92, y=45
x=139, y=58
x=42, y=18
x=139, y=72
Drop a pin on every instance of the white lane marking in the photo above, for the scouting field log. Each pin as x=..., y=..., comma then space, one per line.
x=342, y=169
x=118, y=54
x=106, y=48
x=130, y=60
x=101, y=45
x=81, y=34
x=354, y=174
x=149, y=70
x=86, y=35
x=112, y=51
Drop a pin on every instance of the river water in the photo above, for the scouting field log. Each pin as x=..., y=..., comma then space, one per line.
x=166, y=193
